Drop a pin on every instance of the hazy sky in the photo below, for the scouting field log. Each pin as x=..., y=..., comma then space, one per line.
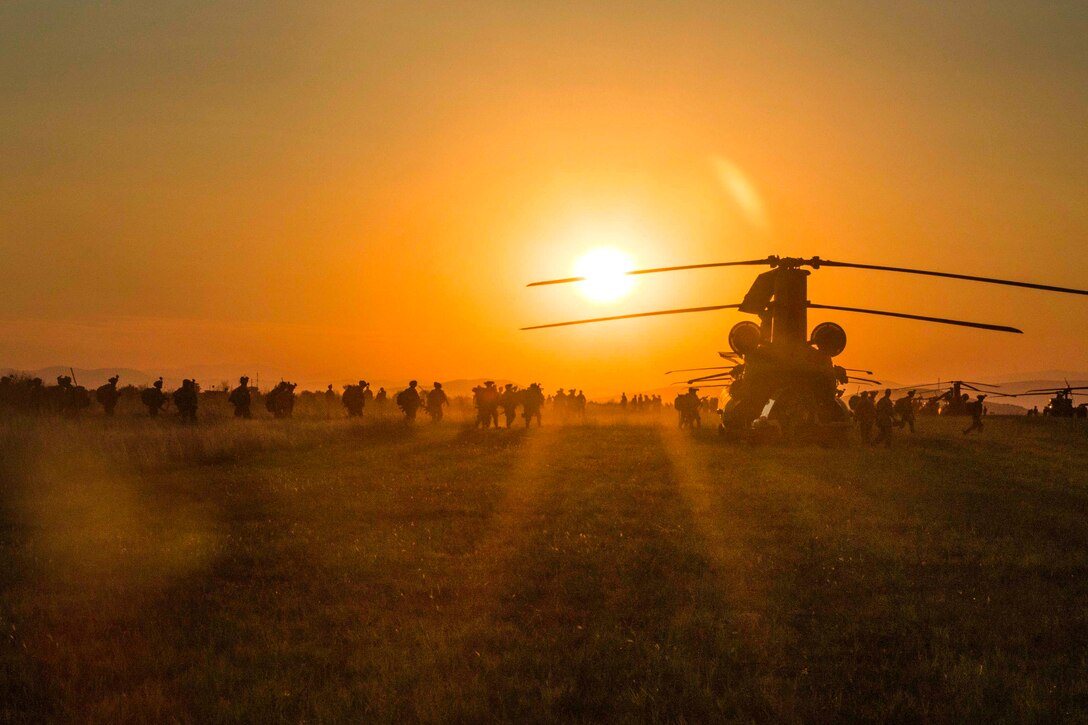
x=346, y=188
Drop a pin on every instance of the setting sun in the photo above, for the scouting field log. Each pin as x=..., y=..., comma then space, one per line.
x=605, y=275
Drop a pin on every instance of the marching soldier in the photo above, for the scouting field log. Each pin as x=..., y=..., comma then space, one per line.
x=884, y=418
x=241, y=398
x=976, y=409
x=354, y=399
x=509, y=402
x=436, y=398
x=281, y=401
x=408, y=400
x=532, y=402
x=185, y=400
x=904, y=408
x=330, y=401
x=153, y=398
x=108, y=395
x=865, y=415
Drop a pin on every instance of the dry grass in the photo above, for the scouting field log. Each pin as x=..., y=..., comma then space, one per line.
x=327, y=570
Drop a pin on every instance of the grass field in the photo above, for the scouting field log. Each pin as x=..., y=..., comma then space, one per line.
x=318, y=570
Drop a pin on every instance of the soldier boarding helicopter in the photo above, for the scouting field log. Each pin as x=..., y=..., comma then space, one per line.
x=787, y=384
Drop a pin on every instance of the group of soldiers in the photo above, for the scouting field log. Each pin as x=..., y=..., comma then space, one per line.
x=640, y=402
x=488, y=400
x=875, y=417
x=885, y=414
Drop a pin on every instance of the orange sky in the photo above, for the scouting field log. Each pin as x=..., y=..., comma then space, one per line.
x=349, y=191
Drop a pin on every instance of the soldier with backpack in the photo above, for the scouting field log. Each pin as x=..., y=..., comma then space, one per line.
x=241, y=398
x=408, y=400
x=436, y=398
x=153, y=398
x=108, y=395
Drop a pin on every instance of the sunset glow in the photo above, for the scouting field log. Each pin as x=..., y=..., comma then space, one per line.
x=335, y=189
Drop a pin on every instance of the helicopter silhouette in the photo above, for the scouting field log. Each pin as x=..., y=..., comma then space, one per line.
x=1062, y=404
x=947, y=397
x=787, y=384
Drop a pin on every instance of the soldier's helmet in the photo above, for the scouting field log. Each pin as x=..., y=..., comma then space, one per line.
x=158, y=383
x=490, y=383
x=693, y=389
x=437, y=386
x=243, y=380
x=981, y=397
x=114, y=379
x=363, y=384
x=509, y=385
x=910, y=393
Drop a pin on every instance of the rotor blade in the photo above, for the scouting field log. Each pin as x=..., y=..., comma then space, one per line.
x=864, y=380
x=692, y=370
x=719, y=376
x=637, y=314
x=968, y=277
x=712, y=385
x=859, y=370
x=1056, y=390
x=655, y=270
x=941, y=320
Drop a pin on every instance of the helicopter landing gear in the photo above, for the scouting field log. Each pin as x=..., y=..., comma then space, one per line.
x=799, y=417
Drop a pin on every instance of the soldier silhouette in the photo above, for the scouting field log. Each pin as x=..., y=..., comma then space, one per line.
x=153, y=398
x=71, y=399
x=330, y=401
x=904, y=408
x=532, y=401
x=884, y=417
x=865, y=415
x=436, y=399
x=241, y=398
x=108, y=395
x=408, y=400
x=623, y=401
x=509, y=401
x=281, y=400
x=580, y=405
x=976, y=409
x=185, y=400
x=354, y=398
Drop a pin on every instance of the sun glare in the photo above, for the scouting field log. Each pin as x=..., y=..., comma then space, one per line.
x=603, y=269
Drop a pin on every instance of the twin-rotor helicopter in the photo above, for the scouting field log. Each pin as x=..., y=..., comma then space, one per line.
x=784, y=381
